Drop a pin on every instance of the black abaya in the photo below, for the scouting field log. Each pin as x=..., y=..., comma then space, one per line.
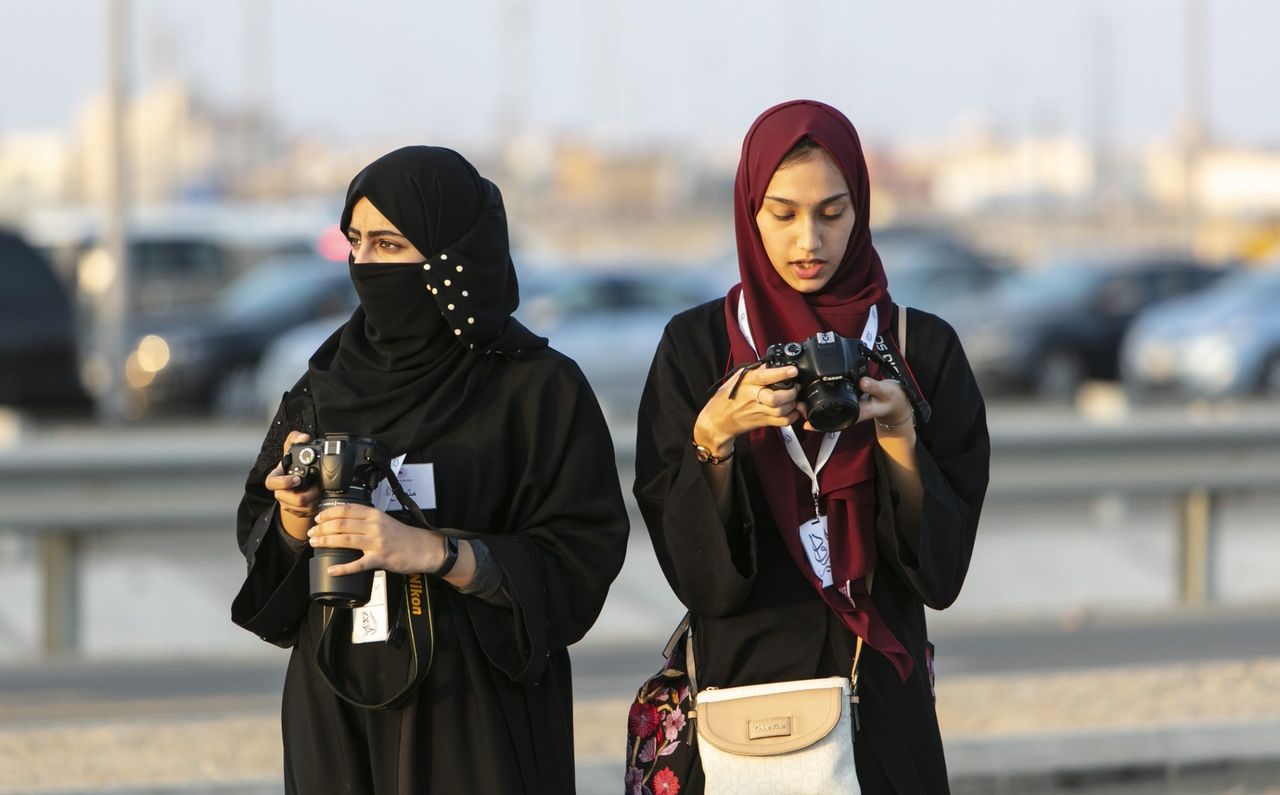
x=756, y=618
x=530, y=468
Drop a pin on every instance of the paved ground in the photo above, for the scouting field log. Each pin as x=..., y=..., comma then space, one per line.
x=1152, y=722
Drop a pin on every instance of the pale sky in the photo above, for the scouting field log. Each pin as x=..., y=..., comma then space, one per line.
x=695, y=71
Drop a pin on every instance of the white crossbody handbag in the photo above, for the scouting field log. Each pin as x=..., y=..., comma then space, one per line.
x=781, y=738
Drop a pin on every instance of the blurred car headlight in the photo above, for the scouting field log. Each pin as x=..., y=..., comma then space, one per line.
x=1214, y=356
x=153, y=353
x=1155, y=359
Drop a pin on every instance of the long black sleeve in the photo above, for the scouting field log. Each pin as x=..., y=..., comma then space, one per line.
x=710, y=567
x=953, y=452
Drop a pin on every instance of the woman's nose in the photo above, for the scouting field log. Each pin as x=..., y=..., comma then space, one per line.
x=810, y=239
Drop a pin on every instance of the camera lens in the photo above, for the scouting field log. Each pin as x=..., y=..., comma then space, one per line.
x=833, y=405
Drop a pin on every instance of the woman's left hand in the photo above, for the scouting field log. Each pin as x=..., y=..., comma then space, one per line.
x=387, y=543
x=887, y=402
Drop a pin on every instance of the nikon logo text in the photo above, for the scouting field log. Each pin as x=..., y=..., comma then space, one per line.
x=415, y=594
x=769, y=727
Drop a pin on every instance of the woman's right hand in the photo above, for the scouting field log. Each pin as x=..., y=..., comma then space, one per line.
x=297, y=508
x=723, y=419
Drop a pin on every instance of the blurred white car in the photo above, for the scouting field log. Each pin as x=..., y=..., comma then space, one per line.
x=1223, y=342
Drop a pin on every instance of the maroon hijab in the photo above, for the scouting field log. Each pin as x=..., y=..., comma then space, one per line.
x=778, y=313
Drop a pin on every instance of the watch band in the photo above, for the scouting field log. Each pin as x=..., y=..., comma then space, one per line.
x=704, y=454
x=450, y=557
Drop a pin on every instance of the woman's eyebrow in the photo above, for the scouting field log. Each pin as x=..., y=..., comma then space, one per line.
x=351, y=230
x=793, y=203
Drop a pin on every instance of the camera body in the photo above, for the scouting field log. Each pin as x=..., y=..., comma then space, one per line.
x=347, y=468
x=830, y=368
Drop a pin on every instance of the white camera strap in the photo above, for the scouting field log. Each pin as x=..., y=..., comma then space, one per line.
x=813, y=533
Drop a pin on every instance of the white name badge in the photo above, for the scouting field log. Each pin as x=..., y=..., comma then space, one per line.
x=369, y=622
x=419, y=482
x=813, y=537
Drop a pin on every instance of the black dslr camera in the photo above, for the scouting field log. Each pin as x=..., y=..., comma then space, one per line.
x=830, y=368
x=347, y=469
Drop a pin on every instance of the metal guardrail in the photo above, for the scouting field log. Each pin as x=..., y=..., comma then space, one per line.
x=63, y=488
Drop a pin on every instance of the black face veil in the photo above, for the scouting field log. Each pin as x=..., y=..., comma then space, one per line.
x=411, y=358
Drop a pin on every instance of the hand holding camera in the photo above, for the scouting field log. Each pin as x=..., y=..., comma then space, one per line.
x=381, y=541
x=297, y=504
x=756, y=405
x=834, y=385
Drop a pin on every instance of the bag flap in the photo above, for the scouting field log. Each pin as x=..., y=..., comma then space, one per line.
x=763, y=720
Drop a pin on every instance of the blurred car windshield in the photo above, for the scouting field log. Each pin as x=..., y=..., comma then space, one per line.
x=1063, y=284
x=550, y=299
x=1245, y=290
x=272, y=287
x=932, y=275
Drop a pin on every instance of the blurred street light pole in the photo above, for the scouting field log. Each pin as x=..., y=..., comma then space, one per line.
x=1194, y=132
x=113, y=313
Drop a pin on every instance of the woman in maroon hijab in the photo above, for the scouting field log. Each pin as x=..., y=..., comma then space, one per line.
x=787, y=543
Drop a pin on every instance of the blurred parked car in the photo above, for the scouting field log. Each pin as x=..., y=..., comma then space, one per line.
x=39, y=368
x=207, y=362
x=1223, y=342
x=609, y=322
x=932, y=270
x=1047, y=330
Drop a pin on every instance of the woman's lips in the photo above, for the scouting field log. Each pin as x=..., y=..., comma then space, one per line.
x=808, y=268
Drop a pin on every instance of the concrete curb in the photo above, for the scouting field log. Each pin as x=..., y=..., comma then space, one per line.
x=1099, y=749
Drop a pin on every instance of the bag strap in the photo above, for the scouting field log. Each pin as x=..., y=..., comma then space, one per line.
x=902, y=332
x=686, y=628
x=420, y=627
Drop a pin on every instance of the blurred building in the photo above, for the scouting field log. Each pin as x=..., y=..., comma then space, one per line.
x=984, y=170
x=1223, y=182
x=35, y=169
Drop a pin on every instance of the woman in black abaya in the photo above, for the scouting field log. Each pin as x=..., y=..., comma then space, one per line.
x=507, y=452
x=737, y=489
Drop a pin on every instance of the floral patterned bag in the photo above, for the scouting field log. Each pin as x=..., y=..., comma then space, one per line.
x=660, y=739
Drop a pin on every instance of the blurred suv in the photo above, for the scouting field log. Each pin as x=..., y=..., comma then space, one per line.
x=1047, y=330
x=206, y=362
x=1224, y=342
x=39, y=365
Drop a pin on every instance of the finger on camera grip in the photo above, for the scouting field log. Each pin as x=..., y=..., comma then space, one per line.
x=295, y=437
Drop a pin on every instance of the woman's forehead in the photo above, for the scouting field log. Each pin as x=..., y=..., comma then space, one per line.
x=810, y=180
x=366, y=217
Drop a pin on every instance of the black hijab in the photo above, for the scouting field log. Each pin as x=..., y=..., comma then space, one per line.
x=410, y=361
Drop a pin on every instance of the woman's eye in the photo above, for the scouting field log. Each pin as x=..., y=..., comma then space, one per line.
x=783, y=217
x=833, y=216
x=388, y=245
x=354, y=241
